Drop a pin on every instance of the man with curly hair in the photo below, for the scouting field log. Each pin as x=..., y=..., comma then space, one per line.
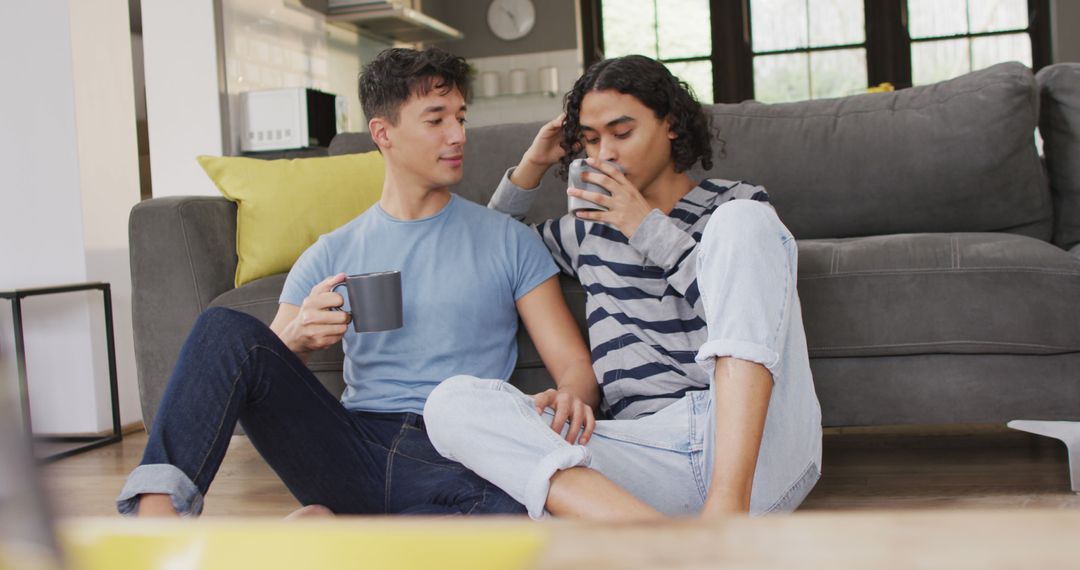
x=694, y=323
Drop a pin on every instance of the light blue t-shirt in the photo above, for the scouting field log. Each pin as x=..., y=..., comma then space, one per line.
x=462, y=270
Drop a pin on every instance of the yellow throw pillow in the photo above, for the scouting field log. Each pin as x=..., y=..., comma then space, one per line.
x=283, y=206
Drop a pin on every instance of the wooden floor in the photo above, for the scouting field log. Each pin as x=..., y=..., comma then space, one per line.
x=955, y=467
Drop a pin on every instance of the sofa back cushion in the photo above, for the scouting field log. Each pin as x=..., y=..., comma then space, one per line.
x=1059, y=123
x=489, y=152
x=956, y=156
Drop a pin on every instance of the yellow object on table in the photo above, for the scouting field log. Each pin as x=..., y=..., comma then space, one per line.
x=399, y=543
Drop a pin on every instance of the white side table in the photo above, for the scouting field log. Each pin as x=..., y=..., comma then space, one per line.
x=1067, y=432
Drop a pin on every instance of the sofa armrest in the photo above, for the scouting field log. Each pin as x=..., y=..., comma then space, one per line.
x=183, y=255
x=1059, y=125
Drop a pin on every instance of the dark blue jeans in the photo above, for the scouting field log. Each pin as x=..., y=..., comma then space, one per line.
x=234, y=368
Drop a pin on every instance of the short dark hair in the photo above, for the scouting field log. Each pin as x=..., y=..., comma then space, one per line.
x=398, y=73
x=650, y=82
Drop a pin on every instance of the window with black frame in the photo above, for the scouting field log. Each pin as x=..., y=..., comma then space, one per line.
x=790, y=50
x=954, y=37
x=807, y=49
x=675, y=32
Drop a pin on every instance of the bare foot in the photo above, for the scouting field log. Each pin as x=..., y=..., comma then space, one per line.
x=310, y=511
x=156, y=505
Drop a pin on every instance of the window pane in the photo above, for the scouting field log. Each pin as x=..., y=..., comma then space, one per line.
x=931, y=18
x=685, y=30
x=837, y=73
x=629, y=27
x=836, y=22
x=996, y=49
x=777, y=24
x=998, y=15
x=698, y=75
x=939, y=60
x=779, y=78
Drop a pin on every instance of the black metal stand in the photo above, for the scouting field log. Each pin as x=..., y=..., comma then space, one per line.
x=90, y=442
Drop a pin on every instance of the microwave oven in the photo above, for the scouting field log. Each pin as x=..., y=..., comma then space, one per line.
x=285, y=119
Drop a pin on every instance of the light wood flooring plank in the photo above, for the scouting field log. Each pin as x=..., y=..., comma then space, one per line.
x=954, y=467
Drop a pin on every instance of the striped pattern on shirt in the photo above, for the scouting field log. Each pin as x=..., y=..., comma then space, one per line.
x=645, y=323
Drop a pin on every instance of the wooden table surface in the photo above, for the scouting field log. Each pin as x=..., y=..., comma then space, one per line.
x=878, y=539
x=971, y=500
x=983, y=539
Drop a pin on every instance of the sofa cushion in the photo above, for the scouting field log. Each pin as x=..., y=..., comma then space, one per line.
x=962, y=293
x=956, y=156
x=283, y=206
x=1059, y=125
x=260, y=300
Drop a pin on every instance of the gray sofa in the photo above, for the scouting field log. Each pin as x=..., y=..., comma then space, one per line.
x=935, y=277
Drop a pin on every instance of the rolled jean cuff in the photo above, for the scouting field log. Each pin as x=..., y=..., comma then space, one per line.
x=164, y=479
x=713, y=349
x=536, y=489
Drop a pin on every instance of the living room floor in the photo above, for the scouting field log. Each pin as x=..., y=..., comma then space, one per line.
x=898, y=467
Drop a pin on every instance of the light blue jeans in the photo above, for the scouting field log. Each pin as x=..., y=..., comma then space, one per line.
x=747, y=263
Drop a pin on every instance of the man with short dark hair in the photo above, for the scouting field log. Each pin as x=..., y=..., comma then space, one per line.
x=694, y=321
x=467, y=274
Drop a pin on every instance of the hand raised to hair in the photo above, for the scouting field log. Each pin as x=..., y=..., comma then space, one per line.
x=545, y=150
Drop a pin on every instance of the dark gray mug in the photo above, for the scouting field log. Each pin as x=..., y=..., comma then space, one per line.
x=574, y=203
x=374, y=300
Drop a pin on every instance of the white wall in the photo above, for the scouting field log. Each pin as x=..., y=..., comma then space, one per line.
x=46, y=235
x=275, y=44
x=266, y=44
x=534, y=106
x=183, y=105
x=108, y=176
x=272, y=45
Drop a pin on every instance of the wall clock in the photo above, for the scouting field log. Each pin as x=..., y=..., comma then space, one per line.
x=511, y=19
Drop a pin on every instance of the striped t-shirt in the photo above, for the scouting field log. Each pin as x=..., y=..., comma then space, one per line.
x=645, y=321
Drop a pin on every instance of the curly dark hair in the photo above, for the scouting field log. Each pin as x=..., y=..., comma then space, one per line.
x=398, y=73
x=651, y=83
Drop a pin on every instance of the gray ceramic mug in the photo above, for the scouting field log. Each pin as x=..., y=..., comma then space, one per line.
x=374, y=300
x=577, y=166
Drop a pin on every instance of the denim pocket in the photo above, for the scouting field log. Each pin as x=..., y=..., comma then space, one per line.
x=672, y=428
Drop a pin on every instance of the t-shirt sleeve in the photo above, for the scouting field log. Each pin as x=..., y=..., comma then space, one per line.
x=532, y=263
x=312, y=267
